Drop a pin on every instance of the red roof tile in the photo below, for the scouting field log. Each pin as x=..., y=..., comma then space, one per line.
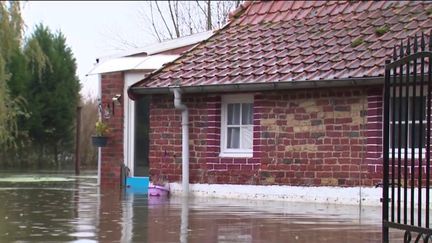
x=283, y=41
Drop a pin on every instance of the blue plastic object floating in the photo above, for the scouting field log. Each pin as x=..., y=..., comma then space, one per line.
x=137, y=184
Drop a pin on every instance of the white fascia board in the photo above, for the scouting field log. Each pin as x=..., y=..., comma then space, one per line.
x=155, y=62
x=171, y=44
x=162, y=46
x=132, y=63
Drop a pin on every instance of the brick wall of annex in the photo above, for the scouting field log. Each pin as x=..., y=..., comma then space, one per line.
x=374, y=148
x=112, y=154
x=314, y=137
x=301, y=137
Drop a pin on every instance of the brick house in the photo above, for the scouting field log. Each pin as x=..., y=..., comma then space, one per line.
x=288, y=93
x=128, y=118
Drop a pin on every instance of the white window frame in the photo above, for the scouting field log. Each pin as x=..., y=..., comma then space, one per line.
x=410, y=122
x=226, y=152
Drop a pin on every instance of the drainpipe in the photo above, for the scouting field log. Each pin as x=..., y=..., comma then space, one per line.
x=185, y=139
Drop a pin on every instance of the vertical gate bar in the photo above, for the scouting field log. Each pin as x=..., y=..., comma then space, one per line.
x=386, y=154
x=400, y=144
x=421, y=146
x=392, y=141
x=406, y=145
x=413, y=137
x=428, y=132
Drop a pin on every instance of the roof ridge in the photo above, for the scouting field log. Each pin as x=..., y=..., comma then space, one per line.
x=239, y=10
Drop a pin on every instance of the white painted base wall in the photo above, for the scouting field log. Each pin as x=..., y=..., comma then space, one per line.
x=329, y=195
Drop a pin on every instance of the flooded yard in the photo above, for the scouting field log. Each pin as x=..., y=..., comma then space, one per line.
x=73, y=209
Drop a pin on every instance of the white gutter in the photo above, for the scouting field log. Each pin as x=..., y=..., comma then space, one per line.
x=185, y=139
x=249, y=87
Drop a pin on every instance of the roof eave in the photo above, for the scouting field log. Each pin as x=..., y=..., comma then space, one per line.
x=250, y=87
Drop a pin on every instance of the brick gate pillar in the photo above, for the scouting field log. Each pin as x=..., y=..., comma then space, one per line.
x=112, y=154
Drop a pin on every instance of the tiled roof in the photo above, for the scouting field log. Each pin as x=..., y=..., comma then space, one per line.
x=284, y=41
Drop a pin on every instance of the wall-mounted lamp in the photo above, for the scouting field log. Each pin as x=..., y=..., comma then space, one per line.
x=117, y=99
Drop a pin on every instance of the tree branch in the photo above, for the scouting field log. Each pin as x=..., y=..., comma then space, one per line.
x=181, y=17
x=200, y=7
x=163, y=18
x=156, y=32
x=176, y=28
x=209, y=16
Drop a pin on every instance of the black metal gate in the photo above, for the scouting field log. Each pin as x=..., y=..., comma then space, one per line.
x=407, y=143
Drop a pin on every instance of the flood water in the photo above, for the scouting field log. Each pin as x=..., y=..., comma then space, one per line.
x=73, y=209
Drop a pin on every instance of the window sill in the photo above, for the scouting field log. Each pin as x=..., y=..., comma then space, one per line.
x=409, y=152
x=236, y=155
x=416, y=156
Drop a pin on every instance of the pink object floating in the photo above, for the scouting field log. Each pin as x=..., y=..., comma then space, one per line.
x=158, y=191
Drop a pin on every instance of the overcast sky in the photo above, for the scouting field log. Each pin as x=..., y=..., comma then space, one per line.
x=90, y=29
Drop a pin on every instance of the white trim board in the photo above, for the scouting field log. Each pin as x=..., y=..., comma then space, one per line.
x=158, y=47
x=329, y=195
x=130, y=78
x=147, y=63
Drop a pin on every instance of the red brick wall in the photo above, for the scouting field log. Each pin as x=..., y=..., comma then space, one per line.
x=112, y=154
x=165, y=138
x=301, y=137
x=374, y=155
x=313, y=137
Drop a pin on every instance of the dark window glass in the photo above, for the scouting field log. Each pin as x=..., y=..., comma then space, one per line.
x=247, y=114
x=399, y=139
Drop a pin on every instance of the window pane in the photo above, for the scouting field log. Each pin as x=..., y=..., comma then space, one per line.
x=416, y=136
x=399, y=138
x=419, y=102
x=233, y=138
x=247, y=137
x=399, y=110
x=247, y=114
x=233, y=114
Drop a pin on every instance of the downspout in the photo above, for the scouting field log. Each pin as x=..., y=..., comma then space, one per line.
x=185, y=139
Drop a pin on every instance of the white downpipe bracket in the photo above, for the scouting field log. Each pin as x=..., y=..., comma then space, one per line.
x=185, y=139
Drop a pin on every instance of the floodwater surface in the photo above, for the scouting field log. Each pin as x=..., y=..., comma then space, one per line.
x=35, y=208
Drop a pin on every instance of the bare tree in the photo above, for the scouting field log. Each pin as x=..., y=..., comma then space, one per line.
x=173, y=19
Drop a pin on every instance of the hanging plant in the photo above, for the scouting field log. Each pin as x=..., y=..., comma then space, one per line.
x=100, y=139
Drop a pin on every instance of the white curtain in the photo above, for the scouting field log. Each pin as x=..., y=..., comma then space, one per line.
x=247, y=136
x=237, y=129
x=247, y=114
x=233, y=114
x=233, y=137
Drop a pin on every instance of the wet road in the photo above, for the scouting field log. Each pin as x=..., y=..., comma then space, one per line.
x=75, y=210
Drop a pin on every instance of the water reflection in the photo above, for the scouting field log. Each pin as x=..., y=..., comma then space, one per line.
x=184, y=225
x=77, y=211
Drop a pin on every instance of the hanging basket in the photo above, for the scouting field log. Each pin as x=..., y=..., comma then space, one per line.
x=99, y=141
